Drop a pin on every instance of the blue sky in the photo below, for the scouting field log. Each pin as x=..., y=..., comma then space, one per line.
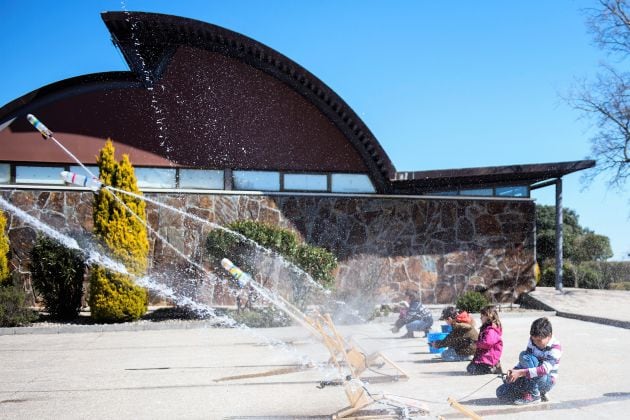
x=440, y=84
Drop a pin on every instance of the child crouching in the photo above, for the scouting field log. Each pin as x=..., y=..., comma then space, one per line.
x=462, y=338
x=537, y=369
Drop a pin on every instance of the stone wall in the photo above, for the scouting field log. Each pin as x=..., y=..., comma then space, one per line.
x=441, y=247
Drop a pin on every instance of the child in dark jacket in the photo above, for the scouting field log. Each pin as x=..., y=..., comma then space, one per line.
x=487, y=357
x=462, y=338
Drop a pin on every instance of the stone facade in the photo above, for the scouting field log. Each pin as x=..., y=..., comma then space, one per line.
x=441, y=247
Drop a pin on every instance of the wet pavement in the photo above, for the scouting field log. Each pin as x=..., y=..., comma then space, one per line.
x=172, y=373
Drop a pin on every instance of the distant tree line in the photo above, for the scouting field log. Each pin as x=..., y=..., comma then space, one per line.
x=584, y=253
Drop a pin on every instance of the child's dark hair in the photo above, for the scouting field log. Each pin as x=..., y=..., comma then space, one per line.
x=412, y=295
x=493, y=316
x=541, y=328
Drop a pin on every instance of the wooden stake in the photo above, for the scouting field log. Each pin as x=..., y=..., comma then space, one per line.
x=464, y=410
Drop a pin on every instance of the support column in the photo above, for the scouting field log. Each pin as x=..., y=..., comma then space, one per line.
x=559, y=234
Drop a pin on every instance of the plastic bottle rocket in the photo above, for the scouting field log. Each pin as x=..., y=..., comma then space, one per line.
x=81, y=180
x=39, y=126
x=241, y=278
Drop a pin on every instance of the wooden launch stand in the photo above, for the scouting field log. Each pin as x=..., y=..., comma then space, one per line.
x=351, y=363
x=343, y=354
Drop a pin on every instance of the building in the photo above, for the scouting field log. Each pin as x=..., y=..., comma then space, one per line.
x=227, y=128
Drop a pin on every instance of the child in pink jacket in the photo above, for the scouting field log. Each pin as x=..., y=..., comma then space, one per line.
x=489, y=344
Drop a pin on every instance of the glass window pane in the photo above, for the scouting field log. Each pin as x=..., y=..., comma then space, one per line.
x=155, y=177
x=478, y=192
x=305, y=182
x=5, y=173
x=256, y=180
x=201, y=178
x=520, y=191
x=39, y=175
x=352, y=183
x=79, y=170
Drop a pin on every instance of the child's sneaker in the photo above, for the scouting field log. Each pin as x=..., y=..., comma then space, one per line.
x=528, y=398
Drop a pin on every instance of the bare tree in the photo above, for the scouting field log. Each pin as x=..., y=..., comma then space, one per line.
x=607, y=100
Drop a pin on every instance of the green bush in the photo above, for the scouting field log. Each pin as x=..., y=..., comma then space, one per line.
x=548, y=277
x=266, y=317
x=57, y=274
x=114, y=298
x=471, y=301
x=13, y=311
x=316, y=261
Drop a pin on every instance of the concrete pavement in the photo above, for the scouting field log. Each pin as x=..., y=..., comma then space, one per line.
x=611, y=307
x=171, y=373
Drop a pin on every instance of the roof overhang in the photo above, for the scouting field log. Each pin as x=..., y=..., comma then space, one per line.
x=420, y=182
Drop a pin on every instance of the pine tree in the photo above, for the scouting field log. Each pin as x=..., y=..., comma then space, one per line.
x=123, y=233
x=113, y=296
x=4, y=250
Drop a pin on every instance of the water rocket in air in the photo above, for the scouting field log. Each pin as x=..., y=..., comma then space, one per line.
x=241, y=278
x=43, y=130
x=81, y=180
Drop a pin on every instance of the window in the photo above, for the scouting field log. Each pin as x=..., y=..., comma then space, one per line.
x=201, y=178
x=155, y=177
x=5, y=173
x=305, y=182
x=444, y=193
x=352, y=183
x=256, y=180
x=518, y=191
x=39, y=175
x=477, y=192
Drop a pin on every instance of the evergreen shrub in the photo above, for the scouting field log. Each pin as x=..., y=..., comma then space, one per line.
x=57, y=274
x=114, y=298
x=471, y=301
x=316, y=261
x=13, y=310
x=548, y=277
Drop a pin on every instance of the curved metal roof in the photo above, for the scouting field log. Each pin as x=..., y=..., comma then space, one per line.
x=148, y=40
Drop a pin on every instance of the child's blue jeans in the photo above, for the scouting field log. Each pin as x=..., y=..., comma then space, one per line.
x=449, y=355
x=419, y=325
x=515, y=390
